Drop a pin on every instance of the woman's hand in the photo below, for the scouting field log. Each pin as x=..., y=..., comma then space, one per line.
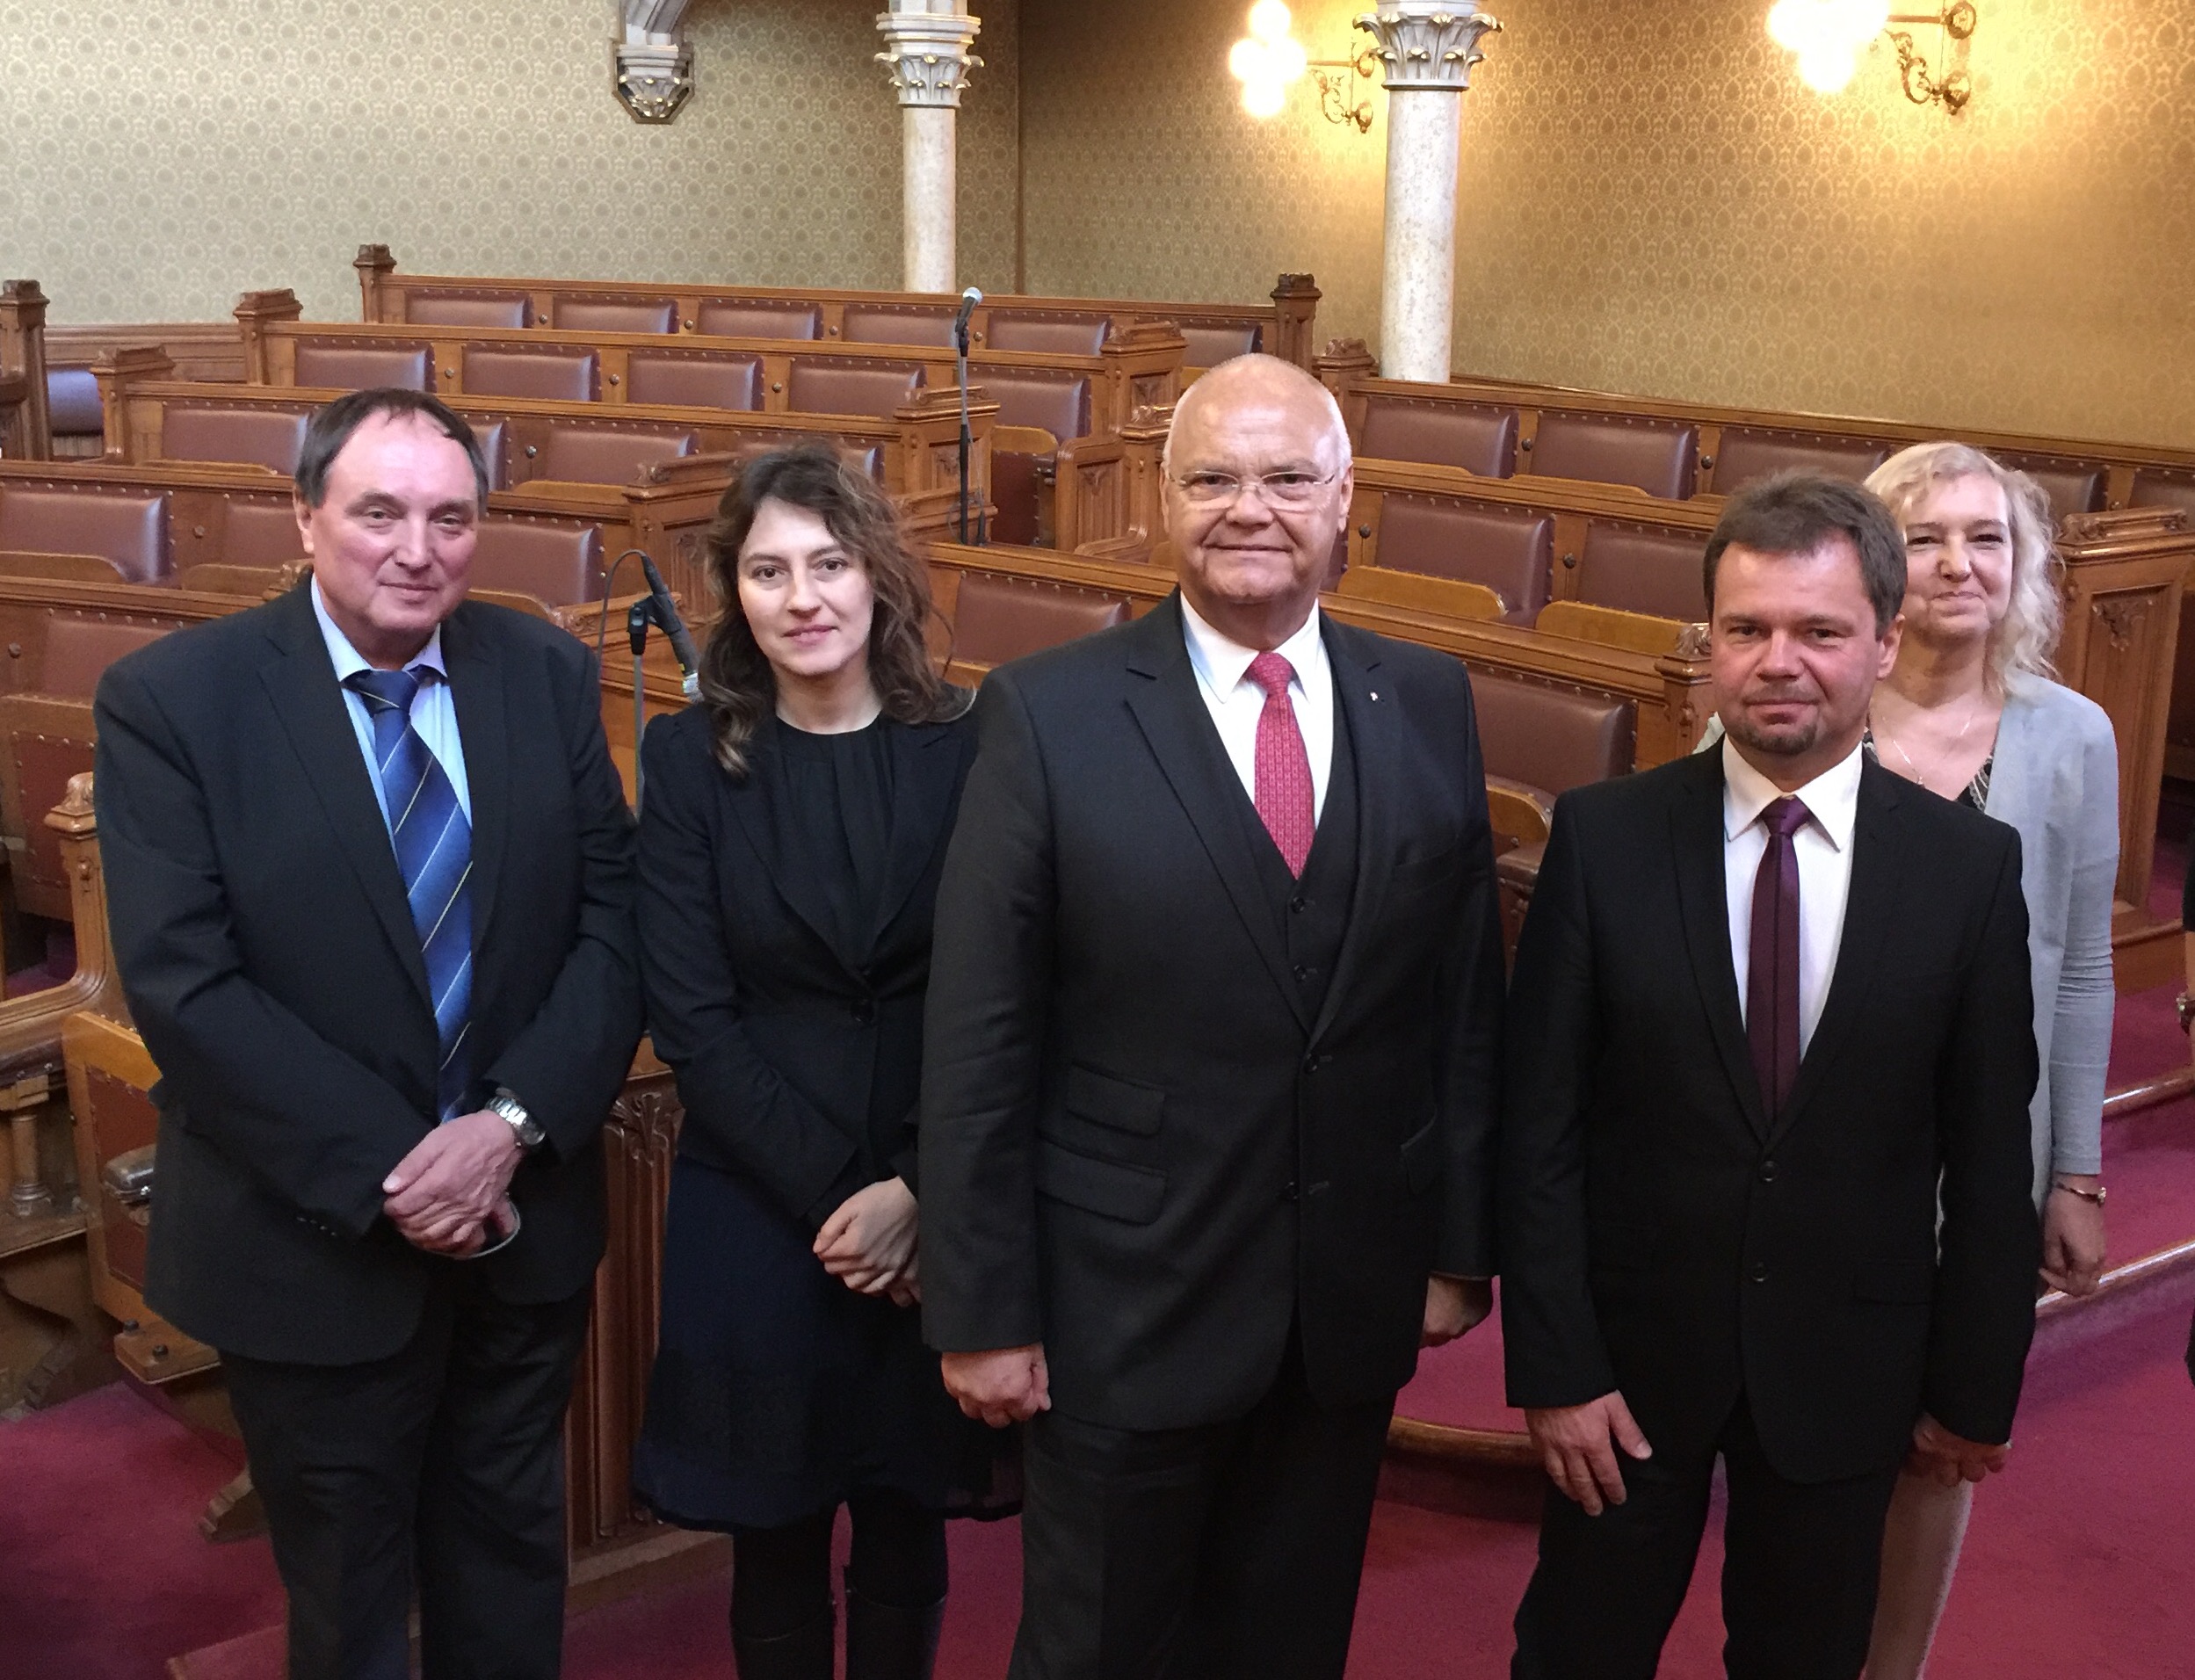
x=869, y=1243
x=2073, y=1238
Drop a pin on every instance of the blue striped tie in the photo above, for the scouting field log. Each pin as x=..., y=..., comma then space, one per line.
x=434, y=848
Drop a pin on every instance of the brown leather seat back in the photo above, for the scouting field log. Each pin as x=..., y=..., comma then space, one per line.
x=1212, y=341
x=261, y=436
x=1509, y=550
x=567, y=372
x=614, y=314
x=2072, y=486
x=1657, y=456
x=260, y=534
x=2161, y=487
x=560, y=564
x=1034, y=397
x=693, y=381
x=760, y=318
x=583, y=454
x=1746, y=457
x=1654, y=572
x=1479, y=438
x=72, y=403
x=79, y=650
x=872, y=388
x=998, y=619
x=337, y=366
x=1554, y=739
x=1055, y=332
x=897, y=323
x=126, y=527
x=480, y=309
x=1017, y=494
x=495, y=450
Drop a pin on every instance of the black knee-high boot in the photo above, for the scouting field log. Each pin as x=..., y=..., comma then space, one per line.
x=805, y=1654
x=884, y=1642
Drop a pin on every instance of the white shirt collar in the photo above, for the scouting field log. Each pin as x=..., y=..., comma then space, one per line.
x=1832, y=797
x=349, y=661
x=1222, y=664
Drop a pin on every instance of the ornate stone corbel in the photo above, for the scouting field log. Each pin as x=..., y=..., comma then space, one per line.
x=927, y=54
x=652, y=65
x=1428, y=44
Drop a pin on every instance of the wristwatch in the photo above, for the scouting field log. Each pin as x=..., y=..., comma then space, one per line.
x=511, y=1111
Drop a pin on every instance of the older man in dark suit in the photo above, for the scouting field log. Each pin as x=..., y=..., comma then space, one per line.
x=369, y=870
x=1208, y=1101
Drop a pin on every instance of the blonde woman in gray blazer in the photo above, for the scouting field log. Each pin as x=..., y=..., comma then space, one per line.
x=1970, y=712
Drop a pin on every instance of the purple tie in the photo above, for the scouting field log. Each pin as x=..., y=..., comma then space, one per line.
x=1772, y=982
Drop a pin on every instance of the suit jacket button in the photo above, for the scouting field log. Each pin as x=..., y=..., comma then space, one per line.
x=1288, y=1191
x=1768, y=1172
x=1310, y=1065
x=1759, y=1274
x=1297, y=903
x=864, y=1012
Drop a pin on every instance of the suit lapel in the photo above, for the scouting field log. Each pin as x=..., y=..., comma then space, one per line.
x=1169, y=708
x=922, y=787
x=1697, y=841
x=1870, y=903
x=308, y=703
x=1373, y=729
x=476, y=685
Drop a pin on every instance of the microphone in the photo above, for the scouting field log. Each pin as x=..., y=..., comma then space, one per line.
x=666, y=614
x=969, y=299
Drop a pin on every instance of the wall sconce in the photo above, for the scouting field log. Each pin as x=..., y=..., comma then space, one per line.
x=1828, y=37
x=1269, y=61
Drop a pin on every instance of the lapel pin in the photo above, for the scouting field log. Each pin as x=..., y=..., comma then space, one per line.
x=1375, y=694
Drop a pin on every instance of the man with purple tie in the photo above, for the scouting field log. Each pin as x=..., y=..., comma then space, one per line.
x=1770, y=1002
x=369, y=872
x=1209, y=1080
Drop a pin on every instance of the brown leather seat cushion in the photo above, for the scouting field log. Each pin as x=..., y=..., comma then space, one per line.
x=449, y=309
x=1551, y=738
x=262, y=437
x=693, y=379
x=1509, y=550
x=334, y=365
x=1644, y=571
x=569, y=373
x=760, y=318
x=606, y=455
x=614, y=314
x=1053, y=332
x=1034, y=397
x=561, y=565
x=2072, y=486
x=873, y=389
x=1658, y=456
x=897, y=323
x=1745, y=458
x=998, y=619
x=129, y=528
x=72, y=403
x=2156, y=486
x=1480, y=439
x=1212, y=341
x=260, y=534
x=79, y=650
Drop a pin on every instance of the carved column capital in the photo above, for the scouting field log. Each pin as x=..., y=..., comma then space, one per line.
x=927, y=54
x=1428, y=46
x=652, y=65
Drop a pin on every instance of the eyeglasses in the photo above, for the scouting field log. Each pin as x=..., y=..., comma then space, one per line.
x=1290, y=490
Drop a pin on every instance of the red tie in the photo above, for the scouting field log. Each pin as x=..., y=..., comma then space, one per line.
x=1282, y=795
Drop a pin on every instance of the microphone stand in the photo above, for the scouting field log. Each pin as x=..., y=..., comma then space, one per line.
x=638, y=617
x=968, y=443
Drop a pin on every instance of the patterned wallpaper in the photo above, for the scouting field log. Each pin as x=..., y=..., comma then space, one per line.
x=159, y=156
x=1651, y=201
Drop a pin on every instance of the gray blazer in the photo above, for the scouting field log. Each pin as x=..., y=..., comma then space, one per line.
x=2055, y=778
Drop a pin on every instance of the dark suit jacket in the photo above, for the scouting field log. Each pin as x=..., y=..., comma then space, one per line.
x=786, y=1043
x=1122, y=1091
x=1661, y=1236
x=270, y=962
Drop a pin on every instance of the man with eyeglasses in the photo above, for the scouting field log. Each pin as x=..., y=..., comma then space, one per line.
x=1208, y=1104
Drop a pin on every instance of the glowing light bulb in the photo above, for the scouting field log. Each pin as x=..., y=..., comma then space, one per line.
x=1827, y=70
x=1827, y=36
x=1249, y=60
x=1269, y=20
x=1264, y=99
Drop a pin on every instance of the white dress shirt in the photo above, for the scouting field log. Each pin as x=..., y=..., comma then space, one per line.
x=433, y=712
x=1824, y=849
x=1236, y=703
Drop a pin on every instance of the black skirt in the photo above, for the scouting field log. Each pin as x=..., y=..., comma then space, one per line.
x=779, y=1392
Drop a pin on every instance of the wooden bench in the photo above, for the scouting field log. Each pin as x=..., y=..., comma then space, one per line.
x=1213, y=331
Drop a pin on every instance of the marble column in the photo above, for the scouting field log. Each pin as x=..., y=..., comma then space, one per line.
x=927, y=44
x=1428, y=47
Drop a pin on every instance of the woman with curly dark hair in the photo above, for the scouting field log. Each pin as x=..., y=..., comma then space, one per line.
x=790, y=845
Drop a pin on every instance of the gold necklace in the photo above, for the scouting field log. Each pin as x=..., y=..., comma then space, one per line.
x=1972, y=712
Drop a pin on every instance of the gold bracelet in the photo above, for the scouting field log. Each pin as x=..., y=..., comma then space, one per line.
x=2096, y=1195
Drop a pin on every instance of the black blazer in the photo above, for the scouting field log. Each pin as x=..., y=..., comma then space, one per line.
x=1661, y=1237
x=1136, y=1148
x=785, y=1043
x=270, y=962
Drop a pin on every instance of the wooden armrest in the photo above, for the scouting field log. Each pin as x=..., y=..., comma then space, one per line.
x=1520, y=869
x=76, y=568
x=532, y=606
x=1640, y=633
x=1519, y=810
x=1449, y=597
x=219, y=577
x=1024, y=440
